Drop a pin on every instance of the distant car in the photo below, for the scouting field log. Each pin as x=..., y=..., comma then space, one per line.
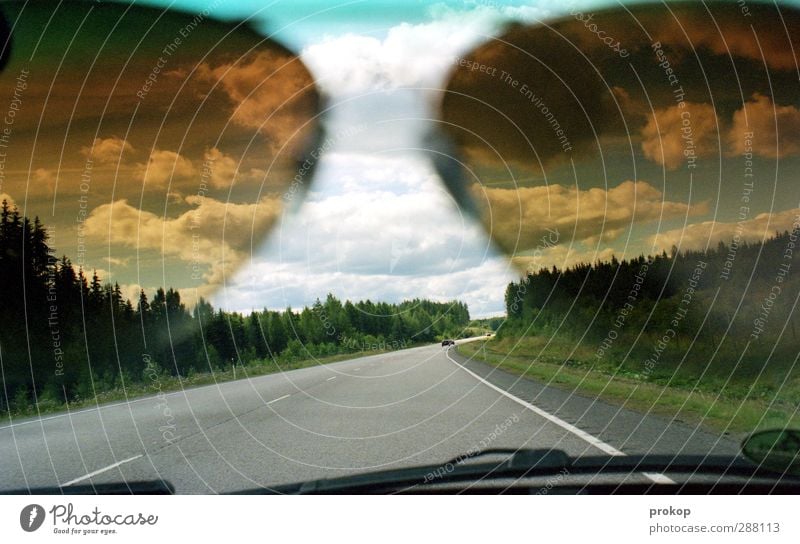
x=448, y=343
x=488, y=334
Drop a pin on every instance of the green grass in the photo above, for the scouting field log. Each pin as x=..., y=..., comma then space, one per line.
x=561, y=362
x=166, y=383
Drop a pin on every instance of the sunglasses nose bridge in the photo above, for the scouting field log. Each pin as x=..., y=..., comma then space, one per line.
x=421, y=133
x=379, y=121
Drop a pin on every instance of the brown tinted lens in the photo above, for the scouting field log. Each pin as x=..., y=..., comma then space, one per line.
x=630, y=131
x=157, y=146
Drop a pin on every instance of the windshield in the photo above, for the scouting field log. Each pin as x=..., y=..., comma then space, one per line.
x=247, y=246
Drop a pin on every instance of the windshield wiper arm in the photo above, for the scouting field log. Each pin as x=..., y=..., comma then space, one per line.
x=527, y=464
x=517, y=458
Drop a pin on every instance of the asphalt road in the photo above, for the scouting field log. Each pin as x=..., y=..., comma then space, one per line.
x=417, y=406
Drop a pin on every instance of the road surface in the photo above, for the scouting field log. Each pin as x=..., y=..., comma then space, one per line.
x=423, y=405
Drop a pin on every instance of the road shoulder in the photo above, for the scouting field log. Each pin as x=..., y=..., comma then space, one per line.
x=630, y=430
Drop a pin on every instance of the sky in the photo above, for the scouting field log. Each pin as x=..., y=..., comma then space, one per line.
x=268, y=174
x=378, y=222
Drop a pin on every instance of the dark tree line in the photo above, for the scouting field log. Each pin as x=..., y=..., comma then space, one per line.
x=66, y=337
x=734, y=314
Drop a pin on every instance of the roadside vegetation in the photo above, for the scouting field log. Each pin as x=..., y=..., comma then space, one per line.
x=158, y=381
x=66, y=338
x=706, y=337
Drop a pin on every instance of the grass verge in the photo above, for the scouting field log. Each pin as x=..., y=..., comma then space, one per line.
x=165, y=383
x=734, y=410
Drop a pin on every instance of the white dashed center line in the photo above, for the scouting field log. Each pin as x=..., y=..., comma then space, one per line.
x=100, y=471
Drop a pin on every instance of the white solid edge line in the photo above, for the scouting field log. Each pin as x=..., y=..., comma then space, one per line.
x=100, y=471
x=97, y=408
x=279, y=398
x=593, y=440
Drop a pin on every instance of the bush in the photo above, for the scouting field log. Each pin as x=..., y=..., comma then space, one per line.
x=49, y=399
x=21, y=404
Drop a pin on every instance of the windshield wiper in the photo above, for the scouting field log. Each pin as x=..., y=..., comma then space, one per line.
x=528, y=463
x=145, y=487
x=509, y=464
x=516, y=458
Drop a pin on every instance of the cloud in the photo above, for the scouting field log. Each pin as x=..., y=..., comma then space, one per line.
x=379, y=227
x=107, y=150
x=673, y=132
x=760, y=36
x=164, y=167
x=36, y=183
x=213, y=235
x=278, y=285
x=353, y=173
x=130, y=291
x=117, y=261
x=221, y=168
x=272, y=92
x=9, y=199
x=570, y=83
x=43, y=178
x=709, y=233
x=224, y=170
x=519, y=218
x=562, y=256
x=762, y=118
x=409, y=55
x=381, y=232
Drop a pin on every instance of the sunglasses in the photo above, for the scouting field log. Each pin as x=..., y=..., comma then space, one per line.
x=627, y=131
